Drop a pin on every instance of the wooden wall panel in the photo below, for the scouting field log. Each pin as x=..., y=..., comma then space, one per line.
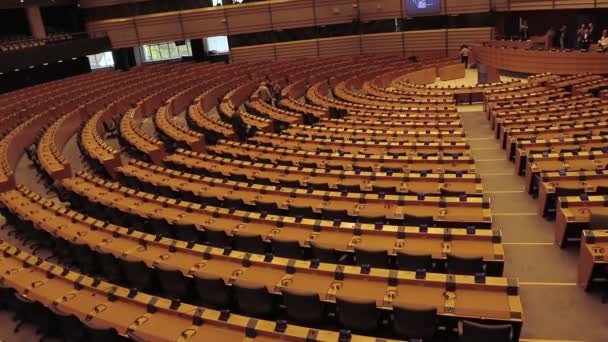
x=121, y=32
x=380, y=9
x=334, y=11
x=152, y=29
x=289, y=14
x=246, y=18
x=500, y=5
x=424, y=40
x=205, y=23
x=101, y=3
x=602, y=3
x=385, y=43
x=566, y=4
x=253, y=53
x=466, y=6
x=297, y=50
x=525, y=5
x=341, y=46
x=468, y=36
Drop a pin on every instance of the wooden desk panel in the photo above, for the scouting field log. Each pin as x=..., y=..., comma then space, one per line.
x=593, y=257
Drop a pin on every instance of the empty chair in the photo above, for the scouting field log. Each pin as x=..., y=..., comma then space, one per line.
x=358, y=315
x=381, y=219
x=312, y=165
x=253, y=300
x=159, y=227
x=233, y=203
x=304, y=211
x=290, y=183
x=110, y=267
x=372, y=257
x=385, y=189
x=414, y=322
x=286, y=248
x=561, y=191
x=262, y=180
x=349, y=187
x=217, y=237
x=446, y=192
x=464, y=265
x=416, y=220
x=598, y=221
x=173, y=283
x=364, y=168
x=187, y=232
x=138, y=274
x=601, y=190
x=303, y=307
x=331, y=214
x=267, y=207
x=323, y=253
x=249, y=243
x=477, y=332
x=239, y=177
x=212, y=290
x=319, y=186
x=412, y=262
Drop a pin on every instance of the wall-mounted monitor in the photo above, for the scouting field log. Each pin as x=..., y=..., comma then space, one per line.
x=415, y=8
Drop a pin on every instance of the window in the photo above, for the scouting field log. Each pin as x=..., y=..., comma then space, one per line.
x=163, y=51
x=217, y=44
x=101, y=60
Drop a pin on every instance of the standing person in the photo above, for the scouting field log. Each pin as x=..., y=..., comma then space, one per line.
x=591, y=32
x=579, y=36
x=264, y=93
x=549, y=38
x=562, y=37
x=586, y=40
x=603, y=42
x=523, y=28
x=464, y=56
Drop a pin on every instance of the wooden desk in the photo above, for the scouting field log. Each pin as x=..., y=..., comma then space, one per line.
x=573, y=214
x=333, y=179
x=458, y=211
x=237, y=150
x=549, y=181
x=451, y=72
x=103, y=305
x=376, y=135
x=490, y=298
x=533, y=61
x=593, y=258
x=353, y=146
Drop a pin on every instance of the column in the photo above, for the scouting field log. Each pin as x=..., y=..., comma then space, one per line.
x=35, y=20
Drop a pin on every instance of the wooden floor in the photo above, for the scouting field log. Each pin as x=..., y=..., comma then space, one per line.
x=555, y=308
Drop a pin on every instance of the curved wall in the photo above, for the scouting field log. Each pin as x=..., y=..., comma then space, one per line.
x=420, y=43
x=538, y=61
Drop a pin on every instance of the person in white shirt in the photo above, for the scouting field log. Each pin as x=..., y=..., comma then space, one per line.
x=264, y=93
x=464, y=56
x=603, y=42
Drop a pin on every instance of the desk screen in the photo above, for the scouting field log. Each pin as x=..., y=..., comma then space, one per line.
x=422, y=7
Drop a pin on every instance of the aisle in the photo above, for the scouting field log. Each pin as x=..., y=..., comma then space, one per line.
x=554, y=306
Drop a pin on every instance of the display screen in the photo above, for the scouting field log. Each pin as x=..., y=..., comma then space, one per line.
x=422, y=7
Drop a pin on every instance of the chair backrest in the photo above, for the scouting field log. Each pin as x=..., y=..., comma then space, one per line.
x=331, y=214
x=286, y=248
x=323, y=253
x=138, y=274
x=187, y=232
x=305, y=211
x=249, y=243
x=212, y=290
x=254, y=300
x=217, y=237
x=601, y=190
x=173, y=283
x=464, y=265
x=349, y=187
x=477, y=332
x=267, y=207
x=233, y=203
x=414, y=322
x=303, y=307
x=598, y=221
x=559, y=191
x=413, y=262
x=446, y=192
x=416, y=220
x=373, y=257
x=385, y=189
x=358, y=315
x=372, y=219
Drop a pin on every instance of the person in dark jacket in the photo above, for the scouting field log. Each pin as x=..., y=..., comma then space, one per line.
x=240, y=127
